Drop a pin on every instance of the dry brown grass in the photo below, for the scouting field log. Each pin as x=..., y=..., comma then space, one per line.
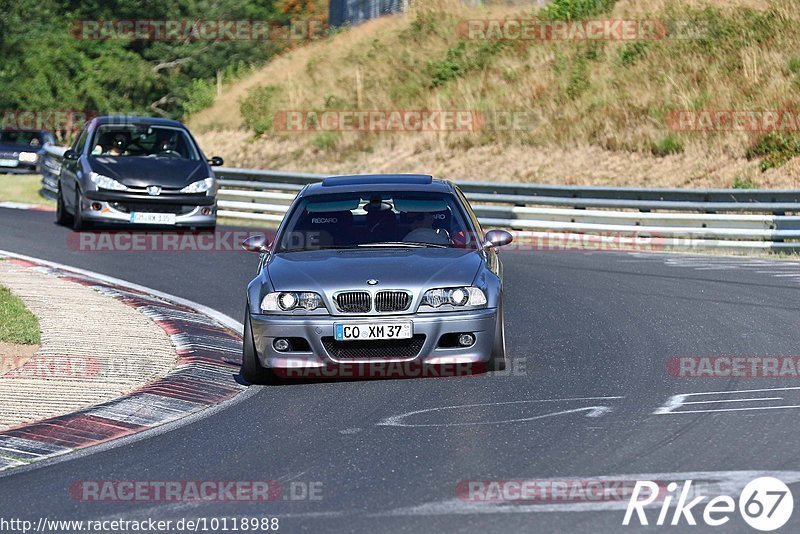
x=599, y=119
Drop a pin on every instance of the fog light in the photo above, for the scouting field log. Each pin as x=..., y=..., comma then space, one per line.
x=206, y=211
x=281, y=345
x=466, y=340
x=96, y=206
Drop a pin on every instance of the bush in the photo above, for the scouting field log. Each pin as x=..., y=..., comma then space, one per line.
x=667, y=145
x=462, y=59
x=775, y=148
x=325, y=140
x=576, y=9
x=200, y=95
x=632, y=52
x=258, y=108
x=743, y=183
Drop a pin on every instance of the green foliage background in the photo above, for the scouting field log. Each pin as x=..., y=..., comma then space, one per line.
x=44, y=67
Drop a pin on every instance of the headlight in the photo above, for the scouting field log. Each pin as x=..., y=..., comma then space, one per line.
x=28, y=157
x=455, y=296
x=290, y=300
x=104, y=182
x=199, y=187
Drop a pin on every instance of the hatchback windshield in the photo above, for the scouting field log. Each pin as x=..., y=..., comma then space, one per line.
x=21, y=137
x=120, y=140
x=403, y=219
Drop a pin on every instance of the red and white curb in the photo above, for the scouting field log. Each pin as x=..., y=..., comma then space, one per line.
x=23, y=206
x=209, y=354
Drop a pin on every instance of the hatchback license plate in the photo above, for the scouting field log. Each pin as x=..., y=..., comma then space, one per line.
x=153, y=218
x=366, y=331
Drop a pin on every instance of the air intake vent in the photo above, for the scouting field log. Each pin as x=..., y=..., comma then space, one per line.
x=353, y=302
x=392, y=301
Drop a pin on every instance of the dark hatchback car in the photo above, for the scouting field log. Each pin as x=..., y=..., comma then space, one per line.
x=21, y=151
x=137, y=170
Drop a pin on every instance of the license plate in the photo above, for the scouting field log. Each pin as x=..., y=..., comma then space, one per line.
x=367, y=331
x=153, y=218
x=8, y=163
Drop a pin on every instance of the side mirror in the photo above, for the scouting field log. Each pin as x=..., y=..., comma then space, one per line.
x=216, y=161
x=256, y=243
x=497, y=238
x=71, y=155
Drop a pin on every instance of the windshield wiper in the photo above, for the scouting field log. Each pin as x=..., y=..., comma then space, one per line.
x=413, y=244
x=326, y=247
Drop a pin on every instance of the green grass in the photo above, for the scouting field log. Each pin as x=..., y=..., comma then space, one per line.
x=23, y=188
x=17, y=324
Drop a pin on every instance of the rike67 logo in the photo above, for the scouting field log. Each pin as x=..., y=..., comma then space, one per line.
x=765, y=504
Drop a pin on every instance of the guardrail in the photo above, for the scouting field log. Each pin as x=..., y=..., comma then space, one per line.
x=679, y=218
x=51, y=167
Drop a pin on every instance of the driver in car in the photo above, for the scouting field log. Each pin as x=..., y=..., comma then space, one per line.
x=422, y=230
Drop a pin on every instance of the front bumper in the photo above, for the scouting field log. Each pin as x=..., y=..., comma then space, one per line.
x=116, y=208
x=481, y=323
x=20, y=168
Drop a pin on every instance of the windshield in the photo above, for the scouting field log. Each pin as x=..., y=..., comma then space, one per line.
x=16, y=137
x=352, y=220
x=143, y=140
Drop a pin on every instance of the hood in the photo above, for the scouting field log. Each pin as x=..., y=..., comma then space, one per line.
x=416, y=269
x=12, y=149
x=141, y=172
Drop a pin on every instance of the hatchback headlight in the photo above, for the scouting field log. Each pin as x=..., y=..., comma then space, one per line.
x=454, y=296
x=104, y=182
x=28, y=157
x=201, y=186
x=291, y=300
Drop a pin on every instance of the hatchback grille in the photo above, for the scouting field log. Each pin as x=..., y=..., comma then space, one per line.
x=386, y=349
x=392, y=301
x=354, y=302
x=130, y=207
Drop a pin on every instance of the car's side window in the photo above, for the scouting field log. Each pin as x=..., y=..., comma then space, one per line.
x=470, y=213
x=81, y=142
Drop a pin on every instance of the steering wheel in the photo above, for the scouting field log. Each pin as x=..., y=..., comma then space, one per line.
x=171, y=153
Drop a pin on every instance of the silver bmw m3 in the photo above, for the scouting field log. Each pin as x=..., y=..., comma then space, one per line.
x=375, y=269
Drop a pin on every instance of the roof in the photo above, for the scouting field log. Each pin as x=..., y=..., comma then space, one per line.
x=379, y=182
x=27, y=130
x=122, y=120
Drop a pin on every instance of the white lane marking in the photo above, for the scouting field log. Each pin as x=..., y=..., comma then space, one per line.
x=754, y=408
x=676, y=401
x=593, y=411
x=735, y=400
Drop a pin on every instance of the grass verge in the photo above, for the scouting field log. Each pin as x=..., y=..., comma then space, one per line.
x=23, y=188
x=17, y=324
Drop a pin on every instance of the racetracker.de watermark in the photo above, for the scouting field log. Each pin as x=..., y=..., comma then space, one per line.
x=538, y=30
x=549, y=490
x=195, y=490
x=403, y=120
x=734, y=121
x=198, y=30
x=39, y=119
x=231, y=240
x=388, y=369
x=166, y=241
x=734, y=367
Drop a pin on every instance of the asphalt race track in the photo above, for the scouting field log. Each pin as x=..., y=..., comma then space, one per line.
x=591, y=333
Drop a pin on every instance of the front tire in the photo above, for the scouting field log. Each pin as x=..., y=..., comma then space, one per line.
x=62, y=215
x=498, y=359
x=252, y=370
x=77, y=218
